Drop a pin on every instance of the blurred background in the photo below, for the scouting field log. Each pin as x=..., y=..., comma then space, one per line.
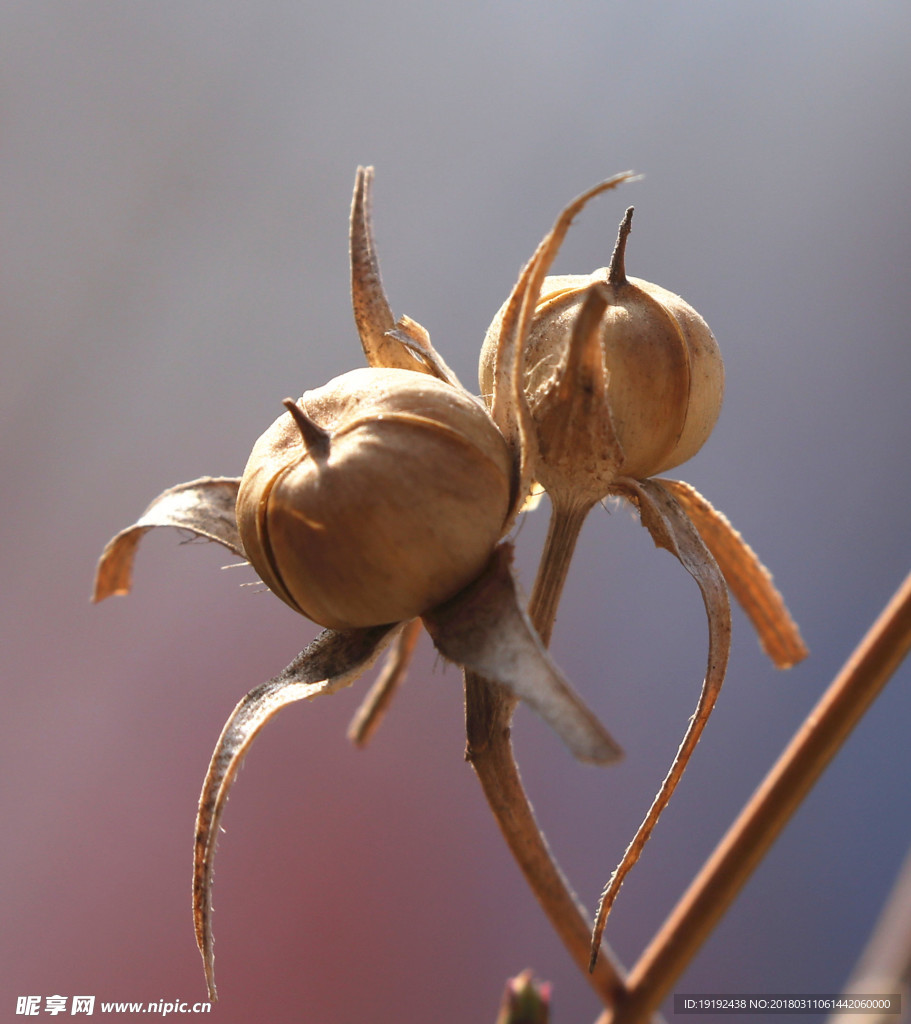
x=176, y=181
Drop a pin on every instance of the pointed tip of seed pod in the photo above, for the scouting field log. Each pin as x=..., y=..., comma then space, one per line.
x=316, y=439
x=617, y=271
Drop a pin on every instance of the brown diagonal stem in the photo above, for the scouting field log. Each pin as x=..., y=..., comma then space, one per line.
x=749, y=838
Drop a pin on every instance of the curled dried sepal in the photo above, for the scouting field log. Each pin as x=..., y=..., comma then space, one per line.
x=749, y=580
x=374, y=706
x=415, y=338
x=503, y=385
x=372, y=312
x=373, y=316
x=204, y=507
x=485, y=629
x=334, y=660
x=671, y=528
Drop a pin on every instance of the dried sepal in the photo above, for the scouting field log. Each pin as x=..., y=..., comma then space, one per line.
x=579, y=452
x=415, y=338
x=486, y=630
x=507, y=347
x=503, y=381
x=204, y=507
x=373, y=315
x=750, y=581
x=671, y=528
x=334, y=660
x=368, y=716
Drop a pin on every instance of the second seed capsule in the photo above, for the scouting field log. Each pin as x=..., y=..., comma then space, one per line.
x=658, y=365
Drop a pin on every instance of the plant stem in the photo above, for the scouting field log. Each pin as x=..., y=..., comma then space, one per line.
x=566, y=521
x=489, y=710
x=490, y=753
x=768, y=811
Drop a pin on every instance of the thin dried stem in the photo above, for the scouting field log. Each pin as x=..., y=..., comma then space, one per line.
x=749, y=838
x=488, y=707
x=562, y=535
x=488, y=712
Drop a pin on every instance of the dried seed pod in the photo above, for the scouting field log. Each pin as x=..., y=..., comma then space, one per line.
x=649, y=354
x=378, y=497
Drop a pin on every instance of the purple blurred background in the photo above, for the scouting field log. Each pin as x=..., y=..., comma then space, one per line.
x=176, y=182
